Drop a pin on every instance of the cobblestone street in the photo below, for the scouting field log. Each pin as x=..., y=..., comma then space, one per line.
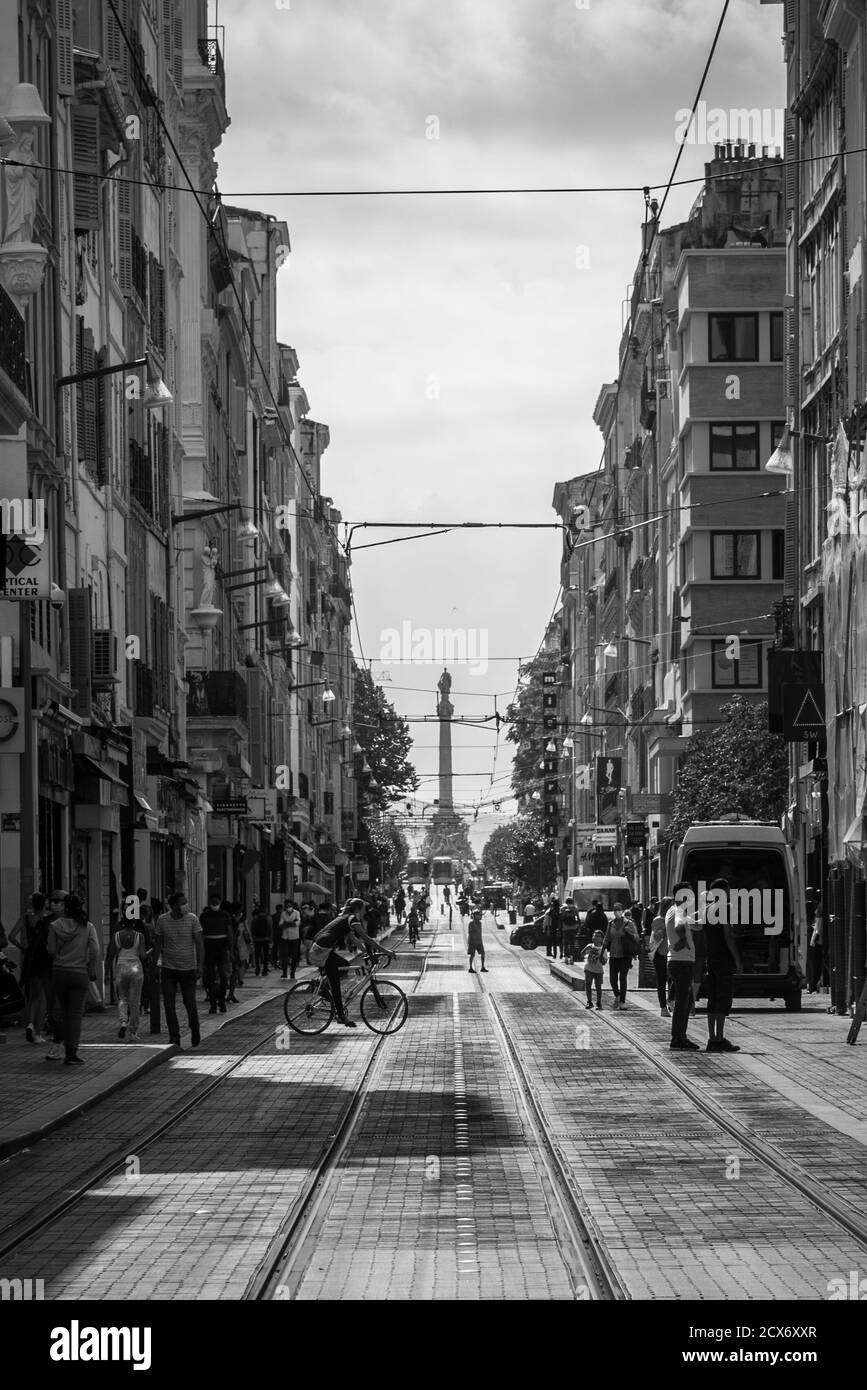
x=500, y=1116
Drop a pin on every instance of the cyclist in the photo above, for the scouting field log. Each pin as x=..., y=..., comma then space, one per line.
x=345, y=933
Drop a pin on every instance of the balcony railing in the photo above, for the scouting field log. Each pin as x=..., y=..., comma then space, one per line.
x=636, y=577
x=144, y=691
x=12, y=359
x=217, y=695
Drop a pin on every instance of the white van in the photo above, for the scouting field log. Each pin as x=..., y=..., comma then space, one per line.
x=758, y=862
x=609, y=889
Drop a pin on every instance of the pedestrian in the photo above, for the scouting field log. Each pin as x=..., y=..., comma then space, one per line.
x=30, y=937
x=290, y=939
x=146, y=921
x=723, y=959
x=569, y=930
x=374, y=916
x=594, y=958
x=815, y=940
x=399, y=905
x=218, y=941
x=699, y=969
x=74, y=948
x=552, y=927
x=529, y=913
x=657, y=949
x=179, y=940
x=680, y=924
x=621, y=943
x=636, y=912
x=243, y=949
x=126, y=958
x=260, y=930
x=594, y=920
x=475, y=941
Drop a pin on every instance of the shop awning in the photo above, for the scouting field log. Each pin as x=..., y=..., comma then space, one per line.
x=143, y=802
x=323, y=868
x=89, y=767
x=306, y=850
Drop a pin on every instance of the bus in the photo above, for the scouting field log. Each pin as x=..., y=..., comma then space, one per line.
x=417, y=871
x=443, y=870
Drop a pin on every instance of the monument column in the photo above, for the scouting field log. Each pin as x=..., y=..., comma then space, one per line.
x=445, y=710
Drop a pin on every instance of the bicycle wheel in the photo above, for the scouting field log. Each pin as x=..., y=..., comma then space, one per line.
x=307, y=1008
x=384, y=1007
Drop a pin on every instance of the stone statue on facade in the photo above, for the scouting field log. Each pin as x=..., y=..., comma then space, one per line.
x=21, y=190
x=209, y=580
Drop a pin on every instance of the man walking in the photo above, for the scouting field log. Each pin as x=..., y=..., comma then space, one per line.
x=475, y=941
x=723, y=959
x=552, y=927
x=179, y=939
x=569, y=930
x=679, y=926
x=261, y=931
x=218, y=940
x=290, y=939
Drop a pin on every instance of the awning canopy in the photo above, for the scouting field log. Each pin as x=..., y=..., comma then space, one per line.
x=143, y=802
x=89, y=767
x=306, y=850
x=322, y=867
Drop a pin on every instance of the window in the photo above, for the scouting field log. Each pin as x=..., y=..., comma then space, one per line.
x=778, y=554
x=734, y=446
x=744, y=671
x=735, y=555
x=776, y=337
x=733, y=337
x=777, y=430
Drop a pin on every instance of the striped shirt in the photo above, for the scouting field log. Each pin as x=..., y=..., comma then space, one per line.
x=177, y=938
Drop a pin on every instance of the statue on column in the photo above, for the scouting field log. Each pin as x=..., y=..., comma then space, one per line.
x=445, y=708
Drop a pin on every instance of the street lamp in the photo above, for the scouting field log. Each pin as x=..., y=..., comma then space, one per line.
x=156, y=396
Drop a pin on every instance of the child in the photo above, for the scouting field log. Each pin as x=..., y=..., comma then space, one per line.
x=474, y=941
x=594, y=958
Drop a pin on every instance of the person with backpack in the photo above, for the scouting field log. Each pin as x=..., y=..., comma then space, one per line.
x=74, y=949
x=657, y=949
x=260, y=930
x=569, y=930
x=127, y=953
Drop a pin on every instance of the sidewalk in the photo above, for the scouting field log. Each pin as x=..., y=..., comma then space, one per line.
x=37, y=1096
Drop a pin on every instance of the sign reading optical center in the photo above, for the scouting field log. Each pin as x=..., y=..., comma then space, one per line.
x=26, y=569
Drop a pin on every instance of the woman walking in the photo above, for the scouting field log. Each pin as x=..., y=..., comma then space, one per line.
x=621, y=943
x=74, y=949
x=657, y=949
x=128, y=951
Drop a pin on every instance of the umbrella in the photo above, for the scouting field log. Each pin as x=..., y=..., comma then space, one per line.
x=306, y=887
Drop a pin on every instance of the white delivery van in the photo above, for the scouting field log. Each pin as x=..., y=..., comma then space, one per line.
x=764, y=884
x=608, y=889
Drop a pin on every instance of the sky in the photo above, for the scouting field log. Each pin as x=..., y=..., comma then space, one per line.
x=456, y=345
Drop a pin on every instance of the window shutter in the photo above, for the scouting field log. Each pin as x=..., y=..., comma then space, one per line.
x=789, y=565
x=86, y=162
x=86, y=397
x=178, y=56
x=124, y=236
x=116, y=51
x=255, y=724
x=80, y=649
x=101, y=431
x=63, y=40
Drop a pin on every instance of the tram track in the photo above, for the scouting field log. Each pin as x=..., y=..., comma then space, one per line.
x=281, y=1268
x=18, y=1233
x=784, y=1169
x=594, y=1274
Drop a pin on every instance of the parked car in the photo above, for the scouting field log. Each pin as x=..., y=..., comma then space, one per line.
x=609, y=889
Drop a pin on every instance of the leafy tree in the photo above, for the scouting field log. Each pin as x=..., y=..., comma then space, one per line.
x=385, y=738
x=389, y=850
x=534, y=868
x=737, y=766
x=499, y=852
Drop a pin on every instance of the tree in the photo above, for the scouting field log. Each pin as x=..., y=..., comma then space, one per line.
x=525, y=716
x=500, y=852
x=385, y=740
x=737, y=766
x=389, y=850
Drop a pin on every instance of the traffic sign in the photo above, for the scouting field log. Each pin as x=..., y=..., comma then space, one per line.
x=803, y=712
x=12, y=720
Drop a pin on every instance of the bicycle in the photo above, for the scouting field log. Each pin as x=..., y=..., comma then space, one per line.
x=309, y=1006
x=412, y=933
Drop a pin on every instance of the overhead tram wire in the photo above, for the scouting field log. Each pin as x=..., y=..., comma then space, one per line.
x=554, y=190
